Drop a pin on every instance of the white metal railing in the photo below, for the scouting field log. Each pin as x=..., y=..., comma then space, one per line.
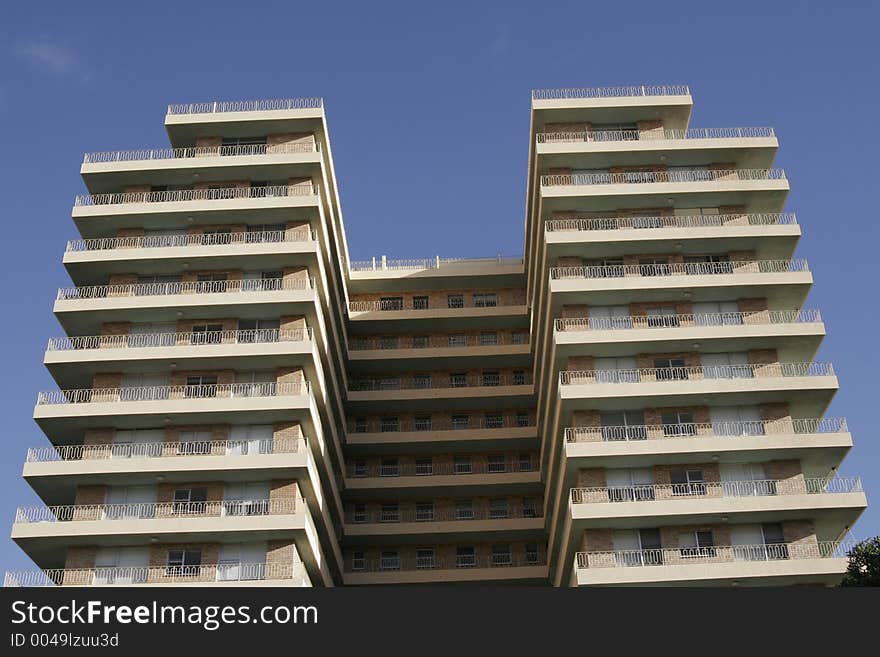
x=199, y=239
x=237, y=150
x=148, y=340
x=463, y=423
x=687, y=320
x=160, y=393
x=738, y=488
x=436, y=562
x=266, y=105
x=165, y=449
x=384, y=264
x=184, y=287
x=157, y=510
x=671, y=221
x=700, y=372
x=215, y=194
x=635, y=134
x=665, y=176
x=612, y=92
x=713, y=554
x=478, y=465
x=409, y=304
x=729, y=429
x=357, y=343
x=655, y=269
x=466, y=381
x=127, y=575
x=434, y=514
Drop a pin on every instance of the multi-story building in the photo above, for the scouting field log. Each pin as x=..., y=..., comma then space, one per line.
x=635, y=401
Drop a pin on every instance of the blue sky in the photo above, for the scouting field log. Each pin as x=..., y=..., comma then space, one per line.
x=428, y=110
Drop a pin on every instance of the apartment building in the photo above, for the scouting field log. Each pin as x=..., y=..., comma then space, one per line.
x=635, y=401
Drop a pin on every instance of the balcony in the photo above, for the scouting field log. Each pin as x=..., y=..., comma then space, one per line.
x=728, y=331
x=780, y=281
x=445, y=433
x=770, y=564
x=456, y=350
x=822, y=442
x=815, y=383
x=191, y=152
x=404, y=314
x=838, y=500
x=427, y=570
x=467, y=478
x=633, y=99
x=244, y=574
x=697, y=134
x=467, y=389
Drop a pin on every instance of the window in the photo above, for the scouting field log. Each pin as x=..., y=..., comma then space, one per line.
x=623, y=425
x=361, y=425
x=421, y=342
x=523, y=419
x=678, y=423
x=464, y=510
x=530, y=507
x=391, y=303
x=462, y=465
x=389, y=560
x=603, y=268
x=421, y=381
x=495, y=463
x=465, y=557
x=638, y=547
x=424, y=558
x=775, y=546
x=455, y=300
x=461, y=422
x=206, y=334
x=520, y=378
x=614, y=132
x=213, y=236
x=501, y=555
x=258, y=330
x=498, y=509
x=531, y=554
x=630, y=484
x=420, y=303
x=359, y=513
x=389, y=424
x=654, y=267
x=190, y=501
x=183, y=563
x=389, y=342
x=717, y=313
x=457, y=340
x=358, y=561
x=616, y=370
x=485, y=300
x=726, y=366
x=519, y=337
x=389, y=468
x=199, y=386
x=424, y=511
x=736, y=421
x=606, y=318
x=490, y=378
x=662, y=317
x=359, y=468
x=525, y=462
x=425, y=466
x=389, y=383
x=243, y=146
x=458, y=379
x=207, y=283
x=670, y=369
x=390, y=513
x=688, y=482
x=192, y=443
x=709, y=264
x=422, y=423
x=257, y=233
x=494, y=420
x=696, y=544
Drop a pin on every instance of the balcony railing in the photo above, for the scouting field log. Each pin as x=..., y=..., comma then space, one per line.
x=715, y=489
x=391, y=305
x=165, y=340
x=237, y=150
x=155, y=510
x=682, y=269
x=672, y=221
x=688, y=320
x=179, y=195
x=700, y=372
x=161, y=393
x=434, y=342
x=267, y=105
x=713, y=554
x=391, y=564
x=731, y=429
x=172, y=575
x=667, y=176
x=199, y=239
x=647, y=135
x=612, y=92
x=184, y=287
x=169, y=449
x=468, y=381
x=511, y=511
x=480, y=466
x=440, y=424
x=383, y=264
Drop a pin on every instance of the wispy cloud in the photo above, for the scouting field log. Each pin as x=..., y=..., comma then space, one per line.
x=500, y=45
x=53, y=58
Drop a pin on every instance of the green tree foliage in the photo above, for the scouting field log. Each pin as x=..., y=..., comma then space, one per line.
x=864, y=564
